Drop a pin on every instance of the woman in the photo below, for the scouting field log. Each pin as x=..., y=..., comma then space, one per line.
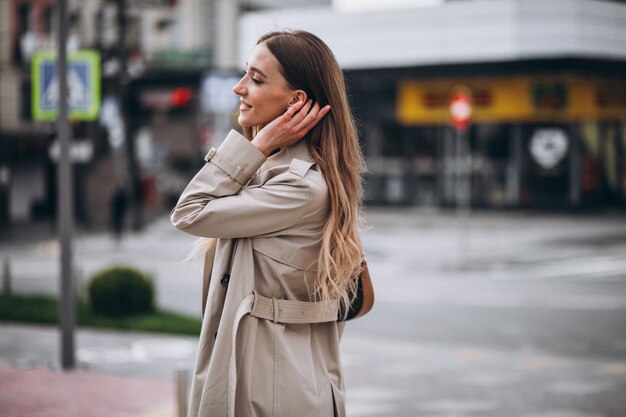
x=283, y=199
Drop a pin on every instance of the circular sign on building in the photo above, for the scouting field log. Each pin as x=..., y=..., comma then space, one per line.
x=549, y=147
x=461, y=108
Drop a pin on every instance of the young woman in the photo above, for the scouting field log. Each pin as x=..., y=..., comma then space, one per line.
x=283, y=199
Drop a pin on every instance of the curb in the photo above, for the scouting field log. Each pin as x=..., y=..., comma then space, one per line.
x=166, y=410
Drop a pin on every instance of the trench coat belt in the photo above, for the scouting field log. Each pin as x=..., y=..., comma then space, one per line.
x=278, y=311
x=293, y=312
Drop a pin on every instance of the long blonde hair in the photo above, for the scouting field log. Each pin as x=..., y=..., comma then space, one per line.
x=308, y=64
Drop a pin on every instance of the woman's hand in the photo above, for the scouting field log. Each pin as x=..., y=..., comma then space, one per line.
x=289, y=128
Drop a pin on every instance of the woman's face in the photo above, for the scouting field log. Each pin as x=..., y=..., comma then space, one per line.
x=263, y=92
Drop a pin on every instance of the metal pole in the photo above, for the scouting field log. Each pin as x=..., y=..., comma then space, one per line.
x=457, y=177
x=514, y=168
x=620, y=165
x=225, y=40
x=463, y=191
x=7, y=288
x=467, y=156
x=181, y=378
x=65, y=200
x=574, y=167
x=225, y=54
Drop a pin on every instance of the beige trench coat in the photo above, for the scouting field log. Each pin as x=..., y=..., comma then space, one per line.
x=249, y=366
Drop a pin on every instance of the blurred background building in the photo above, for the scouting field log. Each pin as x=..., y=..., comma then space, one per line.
x=548, y=81
x=153, y=55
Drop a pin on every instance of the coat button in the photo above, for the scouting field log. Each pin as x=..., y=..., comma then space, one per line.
x=210, y=154
x=225, y=280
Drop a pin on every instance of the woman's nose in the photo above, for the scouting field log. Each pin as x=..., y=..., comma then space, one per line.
x=239, y=89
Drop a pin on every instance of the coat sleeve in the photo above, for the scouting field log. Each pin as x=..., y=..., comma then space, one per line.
x=217, y=202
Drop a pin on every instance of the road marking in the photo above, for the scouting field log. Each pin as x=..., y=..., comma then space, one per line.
x=141, y=351
x=542, y=362
x=617, y=368
x=472, y=355
x=486, y=379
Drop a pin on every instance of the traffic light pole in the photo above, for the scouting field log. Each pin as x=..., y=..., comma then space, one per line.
x=463, y=190
x=461, y=112
x=65, y=201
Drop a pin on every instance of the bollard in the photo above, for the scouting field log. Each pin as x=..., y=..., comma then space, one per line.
x=6, y=277
x=181, y=392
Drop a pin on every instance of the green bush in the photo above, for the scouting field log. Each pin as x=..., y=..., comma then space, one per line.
x=121, y=291
x=28, y=308
x=44, y=309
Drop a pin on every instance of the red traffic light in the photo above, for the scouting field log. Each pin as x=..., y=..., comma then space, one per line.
x=180, y=97
x=461, y=108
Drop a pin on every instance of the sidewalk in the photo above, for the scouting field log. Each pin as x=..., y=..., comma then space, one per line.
x=39, y=392
x=118, y=374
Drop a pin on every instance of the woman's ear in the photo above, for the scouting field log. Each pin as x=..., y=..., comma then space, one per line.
x=299, y=95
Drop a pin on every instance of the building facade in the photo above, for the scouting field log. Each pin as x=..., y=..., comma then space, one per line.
x=546, y=81
x=547, y=85
x=153, y=54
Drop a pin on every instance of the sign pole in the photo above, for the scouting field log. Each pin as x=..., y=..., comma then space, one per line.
x=65, y=201
x=461, y=191
x=461, y=114
x=463, y=187
x=225, y=60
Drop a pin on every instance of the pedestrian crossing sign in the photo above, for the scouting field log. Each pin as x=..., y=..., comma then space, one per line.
x=83, y=82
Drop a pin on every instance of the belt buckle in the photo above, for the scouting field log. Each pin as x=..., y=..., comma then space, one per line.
x=275, y=310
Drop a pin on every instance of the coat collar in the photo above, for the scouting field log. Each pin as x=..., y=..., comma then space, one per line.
x=299, y=150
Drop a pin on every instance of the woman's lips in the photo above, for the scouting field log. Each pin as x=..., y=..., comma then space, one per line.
x=243, y=106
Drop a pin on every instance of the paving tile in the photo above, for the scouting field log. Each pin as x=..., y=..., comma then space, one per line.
x=38, y=392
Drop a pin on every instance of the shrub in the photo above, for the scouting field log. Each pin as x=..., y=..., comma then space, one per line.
x=120, y=291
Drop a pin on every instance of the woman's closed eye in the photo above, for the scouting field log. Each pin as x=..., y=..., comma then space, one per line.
x=252, y=77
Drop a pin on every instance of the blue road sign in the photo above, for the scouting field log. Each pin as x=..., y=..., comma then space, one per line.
x=83, y=80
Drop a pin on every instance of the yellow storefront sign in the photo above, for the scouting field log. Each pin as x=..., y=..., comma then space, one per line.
x=514, y=99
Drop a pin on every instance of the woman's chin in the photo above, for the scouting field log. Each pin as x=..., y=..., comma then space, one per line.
x=247, y=123
x=243, y=122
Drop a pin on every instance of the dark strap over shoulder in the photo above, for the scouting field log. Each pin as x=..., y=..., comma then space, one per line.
x=364, y=299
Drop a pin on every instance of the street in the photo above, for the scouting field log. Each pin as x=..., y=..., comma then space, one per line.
x=501, y=314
